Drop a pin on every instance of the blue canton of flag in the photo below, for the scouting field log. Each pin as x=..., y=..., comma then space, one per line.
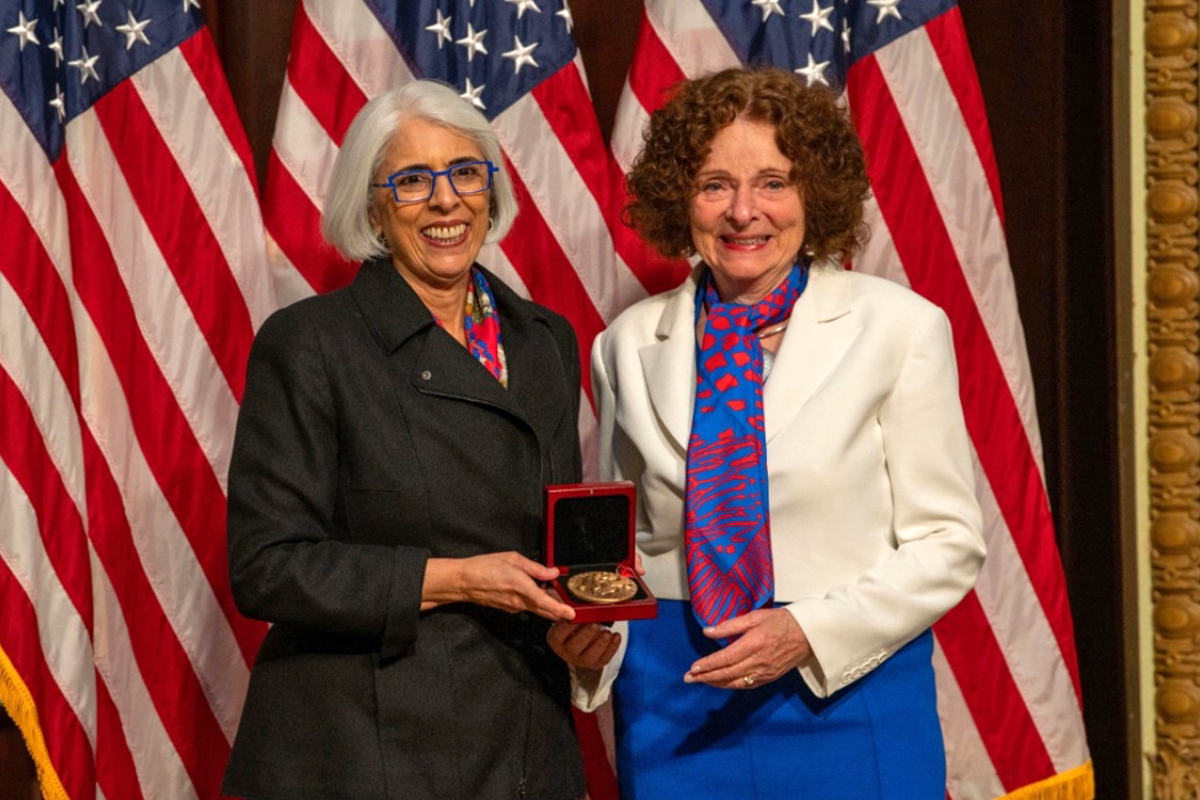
x=822, y=42
x=61, y=56
x=494, y=52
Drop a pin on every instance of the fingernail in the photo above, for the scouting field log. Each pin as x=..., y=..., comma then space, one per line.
x=687, y=678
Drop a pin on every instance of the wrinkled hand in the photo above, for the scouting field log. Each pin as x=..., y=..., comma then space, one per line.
x=589, y=646
x=770, y=644
x=507, y=581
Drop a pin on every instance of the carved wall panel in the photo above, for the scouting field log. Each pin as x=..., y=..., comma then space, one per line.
x=1173, y=309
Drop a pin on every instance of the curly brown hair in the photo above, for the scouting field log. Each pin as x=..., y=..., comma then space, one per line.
x=811, y=129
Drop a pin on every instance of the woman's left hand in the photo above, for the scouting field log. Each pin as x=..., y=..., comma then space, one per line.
x=770, y=643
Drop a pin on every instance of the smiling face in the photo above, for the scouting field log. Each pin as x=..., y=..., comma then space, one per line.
x=747, y=215
x=433, y=243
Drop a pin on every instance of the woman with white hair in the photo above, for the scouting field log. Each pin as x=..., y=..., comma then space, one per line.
x=385, y=491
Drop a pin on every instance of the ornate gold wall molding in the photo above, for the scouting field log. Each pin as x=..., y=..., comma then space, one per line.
x=1173, y=317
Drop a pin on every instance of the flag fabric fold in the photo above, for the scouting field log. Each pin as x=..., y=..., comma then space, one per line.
x=128, y=301
x=1008, y=681
x=140, y=266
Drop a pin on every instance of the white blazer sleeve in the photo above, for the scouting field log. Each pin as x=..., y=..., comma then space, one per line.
x=936, y=524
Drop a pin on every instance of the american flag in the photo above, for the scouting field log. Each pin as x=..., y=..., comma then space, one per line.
x=135, y=282
x=1008, y=680
x=516, y=61
x=130, y=292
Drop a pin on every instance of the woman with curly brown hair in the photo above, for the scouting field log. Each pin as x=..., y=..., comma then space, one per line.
x=806, y=494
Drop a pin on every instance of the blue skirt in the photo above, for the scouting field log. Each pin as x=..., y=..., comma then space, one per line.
x=877, y=738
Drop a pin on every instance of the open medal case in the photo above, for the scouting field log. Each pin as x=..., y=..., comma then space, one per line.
x=589, y=528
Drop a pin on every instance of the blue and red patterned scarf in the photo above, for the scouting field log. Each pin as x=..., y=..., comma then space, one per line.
x=727, y=521
x=482, y=326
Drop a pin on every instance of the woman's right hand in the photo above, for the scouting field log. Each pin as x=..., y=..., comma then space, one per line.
x=508, y=581
x=587, y=647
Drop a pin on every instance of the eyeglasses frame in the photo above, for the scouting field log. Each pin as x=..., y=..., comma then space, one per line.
x=492, y=169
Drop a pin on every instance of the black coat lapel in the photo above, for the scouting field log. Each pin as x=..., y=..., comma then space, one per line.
x=395, y=314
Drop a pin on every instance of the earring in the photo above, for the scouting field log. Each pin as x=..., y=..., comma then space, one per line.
x=491, y=223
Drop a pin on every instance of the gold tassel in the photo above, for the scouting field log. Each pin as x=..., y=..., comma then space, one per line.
x=15, y=697
x=1074, y=784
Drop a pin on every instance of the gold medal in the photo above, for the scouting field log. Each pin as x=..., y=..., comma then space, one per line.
x=601, y=587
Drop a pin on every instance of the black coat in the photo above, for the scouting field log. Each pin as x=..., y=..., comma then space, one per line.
x=369, y=441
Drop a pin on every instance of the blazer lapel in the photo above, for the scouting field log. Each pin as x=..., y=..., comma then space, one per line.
x=669, y=364
x=819, y=332
x=395, y=314
x=533, y=364
x=446, y=368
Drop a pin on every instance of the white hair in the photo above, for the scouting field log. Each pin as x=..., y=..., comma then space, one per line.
x=346, y=221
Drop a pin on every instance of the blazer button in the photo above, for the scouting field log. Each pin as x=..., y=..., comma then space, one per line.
x=426, y=375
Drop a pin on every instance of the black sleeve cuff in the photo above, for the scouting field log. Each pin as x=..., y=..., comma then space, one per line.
x=404, y=601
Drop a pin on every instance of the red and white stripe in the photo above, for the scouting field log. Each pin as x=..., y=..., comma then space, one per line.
x=129, y=302
x=1006, y=665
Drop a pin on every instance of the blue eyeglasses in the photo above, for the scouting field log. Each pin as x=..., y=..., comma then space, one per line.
x=416, y=185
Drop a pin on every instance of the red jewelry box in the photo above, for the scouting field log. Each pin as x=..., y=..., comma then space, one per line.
x=589, y=527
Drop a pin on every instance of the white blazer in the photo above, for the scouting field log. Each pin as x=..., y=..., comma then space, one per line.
x=875, y=529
